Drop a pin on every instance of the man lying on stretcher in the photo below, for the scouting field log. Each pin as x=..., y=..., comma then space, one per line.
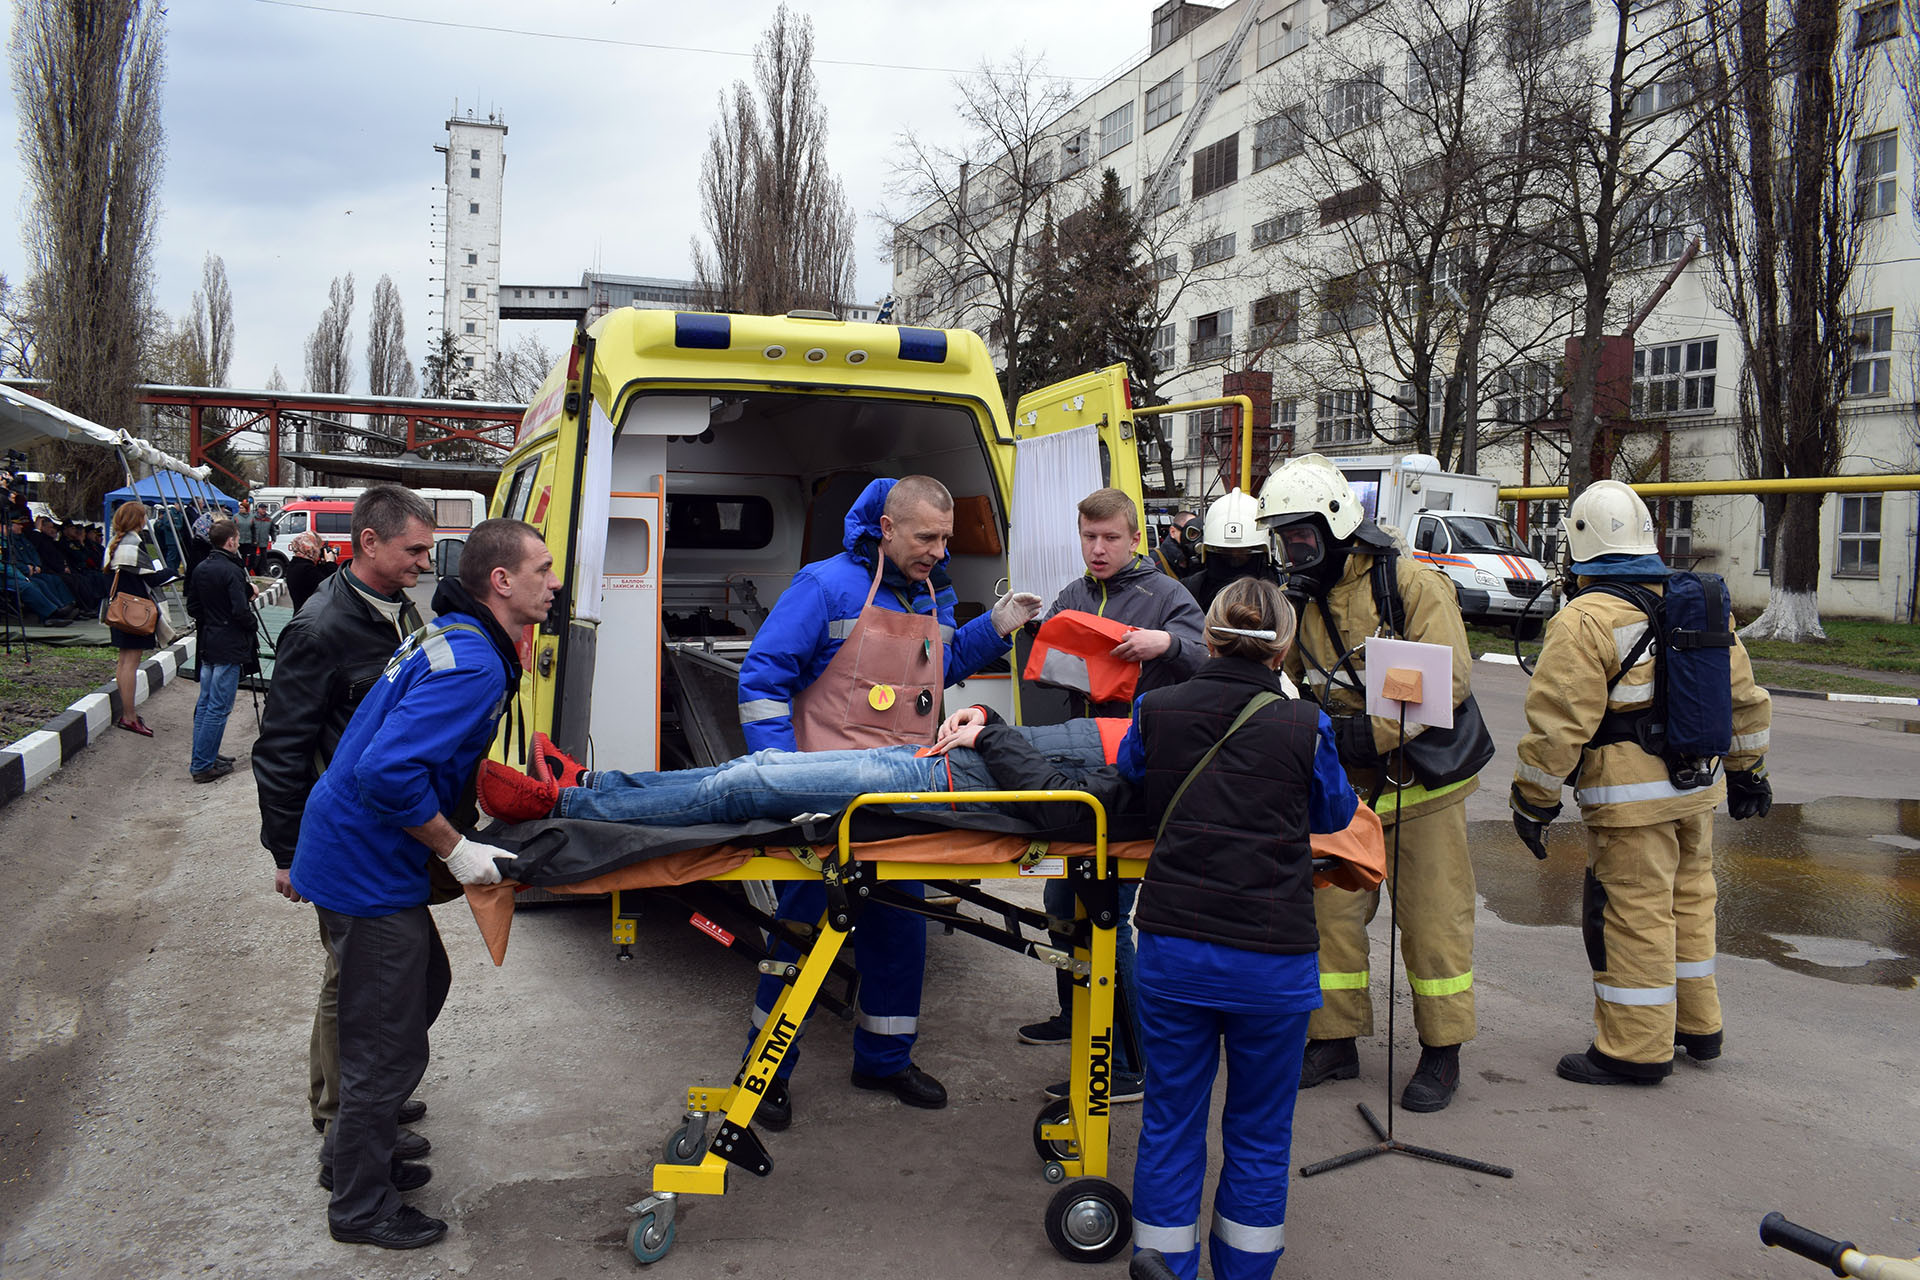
x=975, y=751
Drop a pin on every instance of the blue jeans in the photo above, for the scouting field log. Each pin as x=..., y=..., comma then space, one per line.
x=775, y=785
x=218, y=683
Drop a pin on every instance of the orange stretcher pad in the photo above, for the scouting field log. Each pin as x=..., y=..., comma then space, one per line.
x=1358, y=854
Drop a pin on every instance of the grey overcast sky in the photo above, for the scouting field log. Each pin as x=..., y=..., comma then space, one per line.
x=300, y=136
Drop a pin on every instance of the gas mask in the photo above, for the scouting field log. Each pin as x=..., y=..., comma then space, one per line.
x=1308, y=558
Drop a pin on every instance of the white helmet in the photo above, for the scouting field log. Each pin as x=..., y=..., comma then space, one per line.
x=1311, y=485
x=1608, y=518
x=1231, y=523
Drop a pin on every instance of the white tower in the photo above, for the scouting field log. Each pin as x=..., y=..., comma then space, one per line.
x=476, y=172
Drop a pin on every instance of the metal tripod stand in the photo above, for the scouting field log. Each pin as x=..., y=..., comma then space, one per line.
x=1386, y=1142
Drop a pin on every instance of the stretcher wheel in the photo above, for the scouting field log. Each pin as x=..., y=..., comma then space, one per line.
x=682, y=1149
x=1089, y=1220
x=647, y=1240
x=1055, y=1112
x=1053, y=1171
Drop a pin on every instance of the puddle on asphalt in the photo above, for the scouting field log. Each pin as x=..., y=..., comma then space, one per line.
x=1830, y=888
x=1894, y=724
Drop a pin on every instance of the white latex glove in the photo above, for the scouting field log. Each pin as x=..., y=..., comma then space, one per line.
x=1015, y=610
x=473, y=863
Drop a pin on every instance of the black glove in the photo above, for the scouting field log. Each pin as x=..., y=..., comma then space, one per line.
x=1530, y=821
x=1353, y=738
x=1749, y=794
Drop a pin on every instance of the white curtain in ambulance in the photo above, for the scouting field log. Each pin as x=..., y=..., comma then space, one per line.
x=595, y=503
x=1051, y=473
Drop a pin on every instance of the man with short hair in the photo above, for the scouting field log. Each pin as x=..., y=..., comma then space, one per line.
x=857, y=652
x=1176, y=555
x=325, y=661
x=221, y=601
x=376, y=820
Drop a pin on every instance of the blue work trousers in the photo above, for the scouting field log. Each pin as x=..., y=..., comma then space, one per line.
x=218, y=683
x=1182, y=1042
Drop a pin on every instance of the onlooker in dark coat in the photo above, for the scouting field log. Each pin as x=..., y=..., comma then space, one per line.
x=308, y=568
x=220, y=599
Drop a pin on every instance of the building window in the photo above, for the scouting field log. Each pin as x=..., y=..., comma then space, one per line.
x=469, y=326
x=1276, y=319
x=1674, y=378
x=1284, y=33
x=1204, y=425
x=1216, y=166
x=1166, y=349
x=1564, y=23
x=473, y=206
x=1346, y=303
x=1210, y=337
x=1652, y=99
x=1075, y=154
x=1435, y=66
x=473, y=259
x=474, y=154
x=1543, y=531
x=1878, y=22
x=1406, y=401
x=467, y=362
x=1283, y=226
x=1161, y=269
x=1661, y=226
x=516, y=293
x=1872, y=354
x=1280, y=137
x=1208, y=252
x=1524, y=393
x=1680, y=527
x=1350, y=203
x=474, y=172
x=1116, y=129
x=1350, y=104
x=1341, y=12
x=1165, y=194
x=1859, y=536
x=1163, y=101
x=1340, y=417
x=472, y=292
x=1873, y=175
x=1210, y=63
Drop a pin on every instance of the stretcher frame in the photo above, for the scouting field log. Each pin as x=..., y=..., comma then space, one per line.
x=717, y=1134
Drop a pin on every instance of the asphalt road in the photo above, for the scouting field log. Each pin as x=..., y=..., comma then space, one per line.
x=155, y=1067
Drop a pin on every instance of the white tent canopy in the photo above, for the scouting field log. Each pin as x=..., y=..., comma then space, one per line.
x=26, y=420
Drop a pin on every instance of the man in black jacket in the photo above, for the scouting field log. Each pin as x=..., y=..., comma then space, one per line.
x=221, y=600
x=324, y=662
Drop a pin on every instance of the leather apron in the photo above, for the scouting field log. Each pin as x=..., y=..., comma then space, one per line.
x=884, y=685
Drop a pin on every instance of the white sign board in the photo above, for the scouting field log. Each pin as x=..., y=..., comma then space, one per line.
x=1434, y=662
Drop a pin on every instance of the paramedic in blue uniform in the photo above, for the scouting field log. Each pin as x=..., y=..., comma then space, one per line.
x=856, y=653
x=373, y=820
x=1240, y=774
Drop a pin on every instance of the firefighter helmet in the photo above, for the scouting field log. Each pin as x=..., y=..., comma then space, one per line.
x=1608, y=518
x=1231, y=523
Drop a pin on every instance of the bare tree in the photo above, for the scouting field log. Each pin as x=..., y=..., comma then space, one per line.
x=210, y=329
x=780, y=230
x=19, y=330
x=389, y=372
x=1780, y=210
x=329, y=357
x=87, y=80
x=520, y=369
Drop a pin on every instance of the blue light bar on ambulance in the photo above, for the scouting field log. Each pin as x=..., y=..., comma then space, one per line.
x=929, y=345
x=707, y=332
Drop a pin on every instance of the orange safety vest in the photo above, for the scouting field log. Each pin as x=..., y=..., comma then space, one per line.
x=1074, y=651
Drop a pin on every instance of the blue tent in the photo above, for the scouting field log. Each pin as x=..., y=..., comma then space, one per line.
x=167, y=487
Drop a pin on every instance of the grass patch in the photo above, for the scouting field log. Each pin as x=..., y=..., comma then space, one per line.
x=1791, y=675
x=1865, y=646
x=1496, y=640
x=31, y=693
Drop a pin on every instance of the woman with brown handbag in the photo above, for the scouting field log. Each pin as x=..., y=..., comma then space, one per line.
x=125, y=568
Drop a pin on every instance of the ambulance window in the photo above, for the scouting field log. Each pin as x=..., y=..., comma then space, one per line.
x=718, y=522
x=453, y=513
x=334, y=522
x=520, y=491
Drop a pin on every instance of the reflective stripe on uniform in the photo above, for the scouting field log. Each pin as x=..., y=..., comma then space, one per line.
x=1248, y=1239
x=1624, y=638
x=1067, y=670
x=1627, y=792
x=841, y=628
x=1749, y=741
x=439, y=652
x=1694, y=968
x=1318, y=679
x=760, y=1017
x=946, y=633
x=1434, y=987
x=1344, y=981
x=1634, y=995
x=888, y=1026
x=1539, y=777
x=1630, y=695
x=1166, y=1239
x=763, y=709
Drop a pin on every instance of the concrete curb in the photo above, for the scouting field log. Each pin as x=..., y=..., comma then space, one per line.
x=39, y=755
x=1874, y=699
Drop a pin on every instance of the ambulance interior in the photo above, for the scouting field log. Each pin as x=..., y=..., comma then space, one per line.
x=758, y=483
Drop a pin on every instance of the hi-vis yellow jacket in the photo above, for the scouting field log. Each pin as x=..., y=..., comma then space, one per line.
x=1432, y=617
x=1618, y=785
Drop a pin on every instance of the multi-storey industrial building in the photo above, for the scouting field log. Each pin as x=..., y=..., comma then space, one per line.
x=1223, y=131
x=476, y=156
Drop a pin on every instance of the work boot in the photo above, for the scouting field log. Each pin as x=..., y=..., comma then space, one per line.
x=412, y=1111
x=550, y=764
x=408, y=1145
x=1582, y=1069
x=511, y=796
x=1329, y=1060
x=1434, y=1080
x=408, y=1228
x=912, y=1086
x=776, y=1107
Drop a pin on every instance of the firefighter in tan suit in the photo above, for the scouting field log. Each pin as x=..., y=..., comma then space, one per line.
x=1649, y=898
x=1327, y=548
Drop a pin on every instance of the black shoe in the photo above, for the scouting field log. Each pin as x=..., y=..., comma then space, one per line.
x=1581, y=1069
x=1127, y=1086
x=408, y=1145
x=412, y=1111
x=1434, y=1080
x=1702, y=1046
x=1329, y=1060
x=408, y=1228
x=226, y=760
x=218, y=770
x=406, y=1177
x=1055, y=1030
x=1149, y=1264
x=912, y=1086
x=776, y=1107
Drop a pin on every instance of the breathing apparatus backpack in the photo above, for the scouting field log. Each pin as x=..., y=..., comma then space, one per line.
x=1689, y=722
